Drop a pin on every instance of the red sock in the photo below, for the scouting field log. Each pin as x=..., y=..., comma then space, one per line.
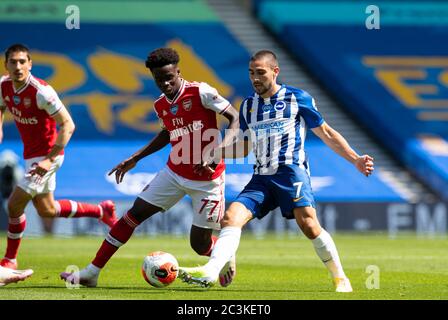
x=118, y=235
x=212, y=245
x=15, y=232
x=73, y=209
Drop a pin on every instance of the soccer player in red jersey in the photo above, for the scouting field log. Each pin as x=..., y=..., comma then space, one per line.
x=37, y=110
x=187, y=113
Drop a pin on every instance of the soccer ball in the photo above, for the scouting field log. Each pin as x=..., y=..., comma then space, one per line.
x=160, y=269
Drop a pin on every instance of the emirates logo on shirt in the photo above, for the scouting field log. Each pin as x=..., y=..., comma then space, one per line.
x=190, y=128
x=21, y=120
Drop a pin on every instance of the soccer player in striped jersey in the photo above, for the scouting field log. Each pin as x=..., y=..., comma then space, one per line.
x=277, y=117
x=37, y=111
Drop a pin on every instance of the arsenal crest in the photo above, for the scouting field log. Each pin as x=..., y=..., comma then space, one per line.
x=27, y=102
x=186, y=104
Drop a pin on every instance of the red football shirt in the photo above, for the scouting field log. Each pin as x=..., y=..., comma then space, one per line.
x=32, y=106
x=190, y=119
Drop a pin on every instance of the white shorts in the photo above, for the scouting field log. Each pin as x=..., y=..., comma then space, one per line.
x=167, y=188
x=48, y=183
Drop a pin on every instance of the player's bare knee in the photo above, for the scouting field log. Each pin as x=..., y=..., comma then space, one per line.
x=201, y=239
x=46, y=212
x=140, y=216
x=142, y=210
x=13, y=210
x=236, y=215
x=13, y=214
x=225, y=221
x=198, y=245
x=310, y=228
x=231, y=219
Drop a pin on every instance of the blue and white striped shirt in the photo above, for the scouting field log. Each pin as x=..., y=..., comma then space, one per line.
x=278, y=127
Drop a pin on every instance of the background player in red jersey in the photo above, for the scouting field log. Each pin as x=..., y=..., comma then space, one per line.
x=37, y=110
x=187, y=112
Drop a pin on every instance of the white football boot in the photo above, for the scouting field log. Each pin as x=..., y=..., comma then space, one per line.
x=197, y=276
x=342, y=285
x=8, y=276
x=86, y=277
x=228, y=272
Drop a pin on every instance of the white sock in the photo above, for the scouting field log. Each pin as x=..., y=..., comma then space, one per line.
x=225, y=247
x=327, y=252
x=92, y=269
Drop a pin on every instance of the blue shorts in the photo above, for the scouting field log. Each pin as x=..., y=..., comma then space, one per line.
x=289, y=188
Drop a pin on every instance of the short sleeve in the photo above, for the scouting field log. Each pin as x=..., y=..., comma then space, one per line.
x=308, y=110
x=156, y=109
x=48, y=100
x=211, y=99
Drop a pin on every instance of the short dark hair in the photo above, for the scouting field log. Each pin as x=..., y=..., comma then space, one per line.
x=265, y=54
x=18, y=47
x=162, y=57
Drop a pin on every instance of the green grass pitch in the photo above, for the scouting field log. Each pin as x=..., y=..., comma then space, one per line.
x=272, y=268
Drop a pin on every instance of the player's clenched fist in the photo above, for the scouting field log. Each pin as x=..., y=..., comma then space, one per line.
x=365, y=165
x=121, y=169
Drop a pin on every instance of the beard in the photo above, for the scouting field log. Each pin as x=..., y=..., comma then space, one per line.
x=262, y=89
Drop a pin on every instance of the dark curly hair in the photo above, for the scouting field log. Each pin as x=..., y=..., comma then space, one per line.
x=161, y=57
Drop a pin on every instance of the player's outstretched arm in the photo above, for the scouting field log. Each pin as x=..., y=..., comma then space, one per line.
x=230, y=136
x=232, y=131
x=160, y=141
x=338, y=144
